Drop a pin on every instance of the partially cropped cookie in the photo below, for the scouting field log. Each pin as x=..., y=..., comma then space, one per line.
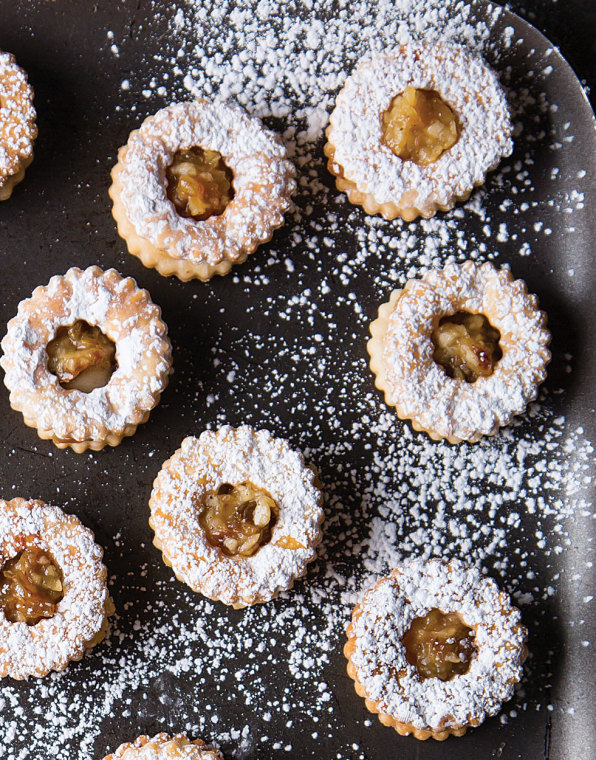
x=236, y=514
x=17, y=124
x=54, y=601
x=86, y=358
x=434, y=648
x=415, y=129
x=163, y=747
x=461, y=351
x=198, y=187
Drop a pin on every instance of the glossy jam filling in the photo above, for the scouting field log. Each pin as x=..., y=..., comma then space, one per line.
x=466, y=346
x=238, y=518
x=199, y=183
x=439, y=645
x=30, y=586
x=419, y=126
x=81, y=357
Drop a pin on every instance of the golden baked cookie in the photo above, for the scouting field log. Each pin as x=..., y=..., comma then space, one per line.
x=54, y=602
x=86, y=358
x=198, y=187
x=416, y=129
x=236, y=514
x=162, y=747
x=17, y=124
x=461, y=351
x=435, y=648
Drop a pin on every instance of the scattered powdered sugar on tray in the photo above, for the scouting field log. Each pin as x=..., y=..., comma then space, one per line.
x=269, y=681
x=417, y=498
x=291, y=64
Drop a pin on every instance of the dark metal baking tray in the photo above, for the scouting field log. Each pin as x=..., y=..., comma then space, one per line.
x=271, y=682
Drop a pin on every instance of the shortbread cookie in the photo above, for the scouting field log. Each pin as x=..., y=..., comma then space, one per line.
x=435, y=648
x=54, y=602
x=198, y=187
x=163, y=747
x=17, y=124
x=416, y=129
x=461, y=351
x=86, y=358
x=236, y=514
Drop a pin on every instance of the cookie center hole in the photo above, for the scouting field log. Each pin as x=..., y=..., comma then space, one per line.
x=419, y=126
x=466, y=346
x=200, y=184
x=238, y=518
x=31, y=586
x=439, y=645
x=81, y=357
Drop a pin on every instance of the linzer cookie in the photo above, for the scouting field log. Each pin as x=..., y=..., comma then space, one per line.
x=416, y=129
x=435, y=648
x=17, y=124
x=86, y=358
x=163, y=747
x=461, y=351
x=236, y=514
x=198, y=187
x=54, y=601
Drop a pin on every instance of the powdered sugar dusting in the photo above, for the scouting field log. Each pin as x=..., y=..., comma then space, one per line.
x=323, y=41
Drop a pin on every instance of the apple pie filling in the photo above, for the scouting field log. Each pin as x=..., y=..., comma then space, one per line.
x=419, y=126
x=238, y=518
x=199, y=183
x=81, y=357
x=439, y=645
x=30, y=586
x=466, y=346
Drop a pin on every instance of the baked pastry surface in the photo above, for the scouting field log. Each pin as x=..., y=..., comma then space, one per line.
x=180, y=515
x=122, y=312
x=369, y=171
x=17, y=124
x=379, y=661
x=79, y=619
x=402, y=351
x=154, y=230
x=163, y=746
